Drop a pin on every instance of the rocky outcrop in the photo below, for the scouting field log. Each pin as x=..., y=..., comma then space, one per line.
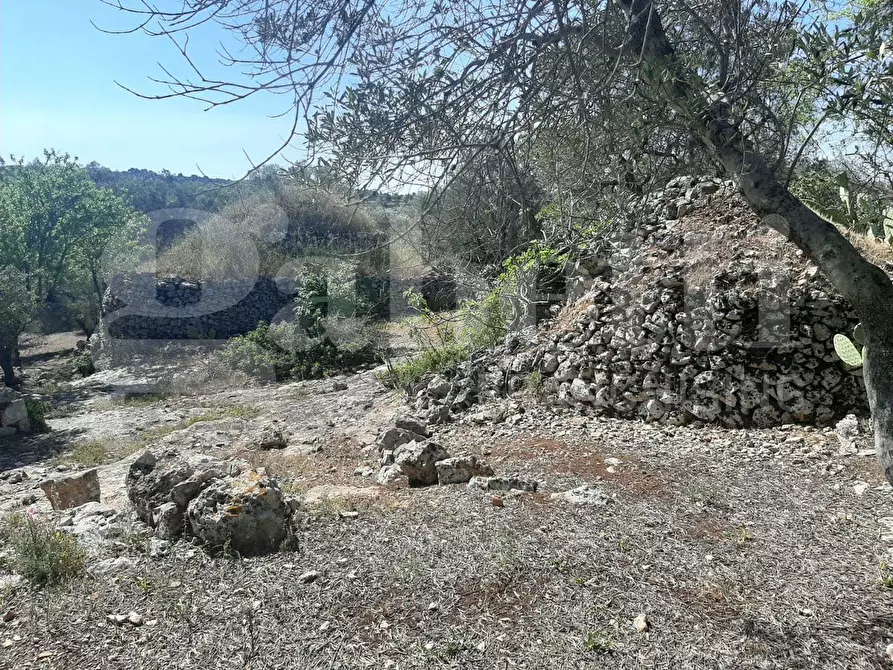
x=247, y=513
x=221, y=503
x=703, y=314
x=160, y=486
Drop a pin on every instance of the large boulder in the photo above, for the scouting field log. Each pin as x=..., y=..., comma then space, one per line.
x=247, y=513
x=418, y=461
x=161, y=485
x=72, y=490
x=14, y=414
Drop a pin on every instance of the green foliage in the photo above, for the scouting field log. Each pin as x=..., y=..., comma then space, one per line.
x=446, y=341
x=287, y=351
x=599, y=642
x=862, y=209
x=404, y=374
x=81, y=365
x=37, y=415
x=41, y=553
x=56, y=228
x=847, y=351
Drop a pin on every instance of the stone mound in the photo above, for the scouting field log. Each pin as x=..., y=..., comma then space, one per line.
x=702, y=313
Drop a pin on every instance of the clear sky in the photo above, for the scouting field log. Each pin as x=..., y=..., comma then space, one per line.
x=58, y=90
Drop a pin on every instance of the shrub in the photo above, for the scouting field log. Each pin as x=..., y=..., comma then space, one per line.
x=287, y=351
x=81, y=365
x=41, y=553
x=37, y=415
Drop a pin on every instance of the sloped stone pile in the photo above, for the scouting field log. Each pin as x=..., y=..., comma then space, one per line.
x=702, y=314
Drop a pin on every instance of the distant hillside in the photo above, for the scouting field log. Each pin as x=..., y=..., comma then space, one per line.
x=148, y=191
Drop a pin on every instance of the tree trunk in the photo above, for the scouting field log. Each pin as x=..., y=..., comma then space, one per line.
x=6, y=365
x=864, y=285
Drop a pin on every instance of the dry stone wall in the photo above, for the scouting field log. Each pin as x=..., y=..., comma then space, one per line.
x=142, y=307
x=703, y=314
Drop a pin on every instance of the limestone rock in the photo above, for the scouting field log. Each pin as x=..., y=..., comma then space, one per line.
x=439, y=388
x=392, y=438
x=67, y=491
x=417, y=460
x=272, y=437
x=247, y=513
x=413, y=425
x=583, y=495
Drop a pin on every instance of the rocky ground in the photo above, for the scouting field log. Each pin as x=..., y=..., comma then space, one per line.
x=679, y=548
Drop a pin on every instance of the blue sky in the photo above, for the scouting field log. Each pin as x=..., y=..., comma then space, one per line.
x=57, y=90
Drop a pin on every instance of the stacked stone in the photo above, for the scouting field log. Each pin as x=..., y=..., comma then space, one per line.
x=701, y=315
x=140, y=307
x=13, y=413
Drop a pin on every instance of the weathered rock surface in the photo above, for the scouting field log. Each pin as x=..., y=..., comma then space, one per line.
x=161, y=485
x=13, y=413
x=247, y=513
x=418, y=461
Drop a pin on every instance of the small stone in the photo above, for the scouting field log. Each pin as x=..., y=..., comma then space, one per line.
x=158, y=547
x=8, y=616
x=496, y=501
x=339, y=386
x=433, y=607
x=135, y=619
x=890, y=650
x=641, y=623
x=860, y=488
x=29, y=499
x=324, y=626
x=272, y=437
x=310, y=576
x=111, y=566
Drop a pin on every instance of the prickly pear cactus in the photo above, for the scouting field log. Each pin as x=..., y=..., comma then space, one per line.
x=859, y=335
x=847, y=351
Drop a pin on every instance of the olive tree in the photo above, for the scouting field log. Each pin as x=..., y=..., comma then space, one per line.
x=413, y=90
x=16, y=312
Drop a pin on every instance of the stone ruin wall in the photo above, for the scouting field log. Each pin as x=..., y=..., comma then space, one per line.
x=141, y=307
x=665, y=335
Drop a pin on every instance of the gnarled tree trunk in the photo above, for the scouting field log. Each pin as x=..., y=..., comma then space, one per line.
x=867, y=287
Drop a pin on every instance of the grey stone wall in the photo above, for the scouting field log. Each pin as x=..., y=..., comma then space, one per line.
x=141, y=307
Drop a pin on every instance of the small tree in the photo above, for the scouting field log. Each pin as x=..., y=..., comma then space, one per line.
x=16, y=311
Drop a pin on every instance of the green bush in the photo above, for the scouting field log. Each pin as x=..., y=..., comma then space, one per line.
x=41, y=553
x=287, y=351
x=81, y=365
x=482, y=324
x=37, y=415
